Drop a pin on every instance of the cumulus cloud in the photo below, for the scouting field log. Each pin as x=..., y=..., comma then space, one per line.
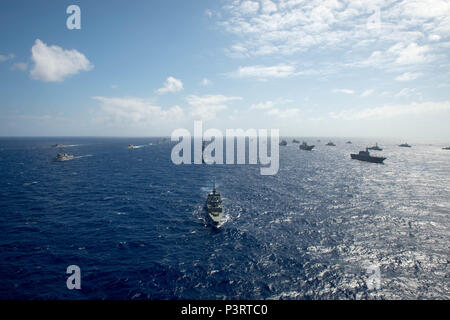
x=410, y=54
x=268, y=6
x=171, y=85
x=206, y=107
x=390, y=111
x=408, y=32
x=129, y=110
x=249, y=7
x=400, y=55
x=54, y=64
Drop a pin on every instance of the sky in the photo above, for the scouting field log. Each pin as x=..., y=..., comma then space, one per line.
x=348, y=68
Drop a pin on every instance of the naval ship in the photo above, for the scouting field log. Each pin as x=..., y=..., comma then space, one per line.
x=283, y=143
x=214, y=206
x=365, y=156
x=375, y=147
x=304, y=146
x=64, y=157
x=404, y=145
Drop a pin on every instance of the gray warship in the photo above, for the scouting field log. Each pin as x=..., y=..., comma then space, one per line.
x=214, y=206
x=375, y=147
x=365, y=156
x=404, y=145
x=305, y=146
x=62, y=156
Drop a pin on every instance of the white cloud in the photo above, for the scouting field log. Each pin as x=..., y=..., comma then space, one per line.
x=400, y=55
x=264, y=72
x=409, y=32
x=4, y=58
x=345, y=91
x=54, y=64
x=434, y=37
x=206, y=107
x=206, y=82
x=262, y=105
x=249, y=7
x=129, y=110
x=21, y=66
x=367, y=93
x=209, y=13
x=408, y=76
x=390, y=111
x=289, y=113
x=410, y=54
x=171, y=85
x=268, y=6
x=405, y=92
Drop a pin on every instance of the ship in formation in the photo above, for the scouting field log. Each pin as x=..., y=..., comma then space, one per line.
x=214, y=206
x=375, y=147
x=62, y=156
x=404, y=145
x=365, y=156
x=305, y=146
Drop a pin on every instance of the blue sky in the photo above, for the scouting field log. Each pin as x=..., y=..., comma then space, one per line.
x=310, y=68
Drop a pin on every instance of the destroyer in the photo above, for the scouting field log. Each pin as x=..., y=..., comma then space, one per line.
x=375, y=147
x=214, y=206
x=304, y=146
x=64, y=157
x=365, y=156
x=404, y=145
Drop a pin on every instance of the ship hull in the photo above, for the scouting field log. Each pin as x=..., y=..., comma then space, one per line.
x=215, y=220
x=367, y=159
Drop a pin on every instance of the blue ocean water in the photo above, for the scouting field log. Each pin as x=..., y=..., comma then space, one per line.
x=135, y=223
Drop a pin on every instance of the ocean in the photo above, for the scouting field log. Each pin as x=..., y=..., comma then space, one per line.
x=136, y=226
